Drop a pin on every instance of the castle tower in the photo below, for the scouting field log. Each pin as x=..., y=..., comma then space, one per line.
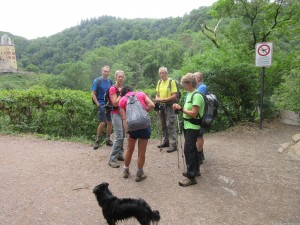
x=8, y=61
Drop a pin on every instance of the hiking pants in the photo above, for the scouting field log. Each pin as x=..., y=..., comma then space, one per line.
x=191, y=152
x=117, y=148
x=167, y=118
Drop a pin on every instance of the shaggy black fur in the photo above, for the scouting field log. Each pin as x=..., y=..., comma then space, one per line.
x=115, y=209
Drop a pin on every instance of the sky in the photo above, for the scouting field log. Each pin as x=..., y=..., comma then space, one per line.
x=42, y=18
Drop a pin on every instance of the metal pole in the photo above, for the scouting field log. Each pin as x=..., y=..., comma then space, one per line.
x=160, y=128
x=262, y=97
x=179, y=133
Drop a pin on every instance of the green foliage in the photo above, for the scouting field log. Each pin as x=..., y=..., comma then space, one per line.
x=24, y=81
x=40, y=110
x=140, y=47
x=287, y=95
x=32, y=68
x=57, y=113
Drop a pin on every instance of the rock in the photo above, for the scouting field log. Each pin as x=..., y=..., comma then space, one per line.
x=284, y=147
x=296, y=149
x=296, y=138
x=290, y=117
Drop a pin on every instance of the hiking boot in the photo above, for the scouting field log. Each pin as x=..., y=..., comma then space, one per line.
x=197, y=174
x=96, y=145
x=120, y=158
x=125, y=173
x=172, y=150
x=114, y=164
x=187, y=182
x=164, y=145
x=140, y=177
x=109, y=143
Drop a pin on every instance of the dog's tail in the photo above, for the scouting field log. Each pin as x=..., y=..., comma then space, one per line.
x=155, y=216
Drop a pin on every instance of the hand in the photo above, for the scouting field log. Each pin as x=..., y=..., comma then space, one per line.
x=176, y=106
x=101, y=108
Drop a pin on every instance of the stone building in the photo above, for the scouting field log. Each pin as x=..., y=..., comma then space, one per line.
x=8, y=61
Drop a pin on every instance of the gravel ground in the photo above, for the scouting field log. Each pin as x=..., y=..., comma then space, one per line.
x=245, y=180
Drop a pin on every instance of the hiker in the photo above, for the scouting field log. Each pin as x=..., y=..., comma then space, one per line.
x=142, y=135
x=201, y=87
x=193, y=106
x=165, y=96
x=114, y=96
x=99, y=87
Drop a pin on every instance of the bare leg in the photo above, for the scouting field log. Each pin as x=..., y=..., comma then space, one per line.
x=200, y=143
x=129, y=151
x=142, y=145
x=100, y=129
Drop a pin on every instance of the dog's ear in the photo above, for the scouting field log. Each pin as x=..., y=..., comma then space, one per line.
x=104, y=184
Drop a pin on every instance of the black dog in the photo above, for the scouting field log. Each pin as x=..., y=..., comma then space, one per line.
x=115, y=209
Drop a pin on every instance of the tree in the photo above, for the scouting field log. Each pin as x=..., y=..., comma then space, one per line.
x=76, y=76
x=261, y=17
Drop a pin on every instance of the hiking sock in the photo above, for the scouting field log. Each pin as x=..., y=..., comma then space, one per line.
x=200, y=158
x=139, y=172
x=126, y=168
x=107, y=137
x=98, y=138
x=202, y=153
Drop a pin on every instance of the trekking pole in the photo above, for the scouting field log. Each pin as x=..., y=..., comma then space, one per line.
x=158, y=109
x=179, y=134
x=160, y=131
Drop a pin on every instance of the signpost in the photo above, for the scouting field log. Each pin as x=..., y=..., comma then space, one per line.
x=263, y=58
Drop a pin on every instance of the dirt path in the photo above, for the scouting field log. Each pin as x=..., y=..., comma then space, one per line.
x=245, y=180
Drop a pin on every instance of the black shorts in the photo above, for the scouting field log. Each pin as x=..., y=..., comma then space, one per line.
x=140, y=134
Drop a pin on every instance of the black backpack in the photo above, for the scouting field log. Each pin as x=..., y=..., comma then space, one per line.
x=99, y=86
x=107, y=103
x=178, y=93
x=211, y=105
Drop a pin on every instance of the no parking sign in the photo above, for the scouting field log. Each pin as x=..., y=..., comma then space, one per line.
x=263, y=56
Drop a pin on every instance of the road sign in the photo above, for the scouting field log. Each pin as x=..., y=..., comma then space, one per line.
x=263, y=56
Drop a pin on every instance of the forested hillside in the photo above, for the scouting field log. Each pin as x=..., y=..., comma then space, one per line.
x=218, y=41
x=71, y=44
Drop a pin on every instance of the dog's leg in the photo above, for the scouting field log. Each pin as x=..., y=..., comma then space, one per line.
x=144, y=221
x=110, y=222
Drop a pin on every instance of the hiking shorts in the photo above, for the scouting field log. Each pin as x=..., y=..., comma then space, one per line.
x=103, y=115
x=140, y=134
x=201, y=132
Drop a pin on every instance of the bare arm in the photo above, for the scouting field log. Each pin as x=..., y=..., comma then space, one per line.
x=149, y=104
x=192, y=113
x=123, y=116
x=115, y=99
x=93, y=94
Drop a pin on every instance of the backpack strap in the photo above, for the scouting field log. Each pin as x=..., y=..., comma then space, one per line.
x=118, y=93
x=170, y=84
x=98, y=86
x=159, y=82
x=196, y=121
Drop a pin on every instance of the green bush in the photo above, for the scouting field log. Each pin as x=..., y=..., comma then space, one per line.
x=58, y=113
x=287, y=96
